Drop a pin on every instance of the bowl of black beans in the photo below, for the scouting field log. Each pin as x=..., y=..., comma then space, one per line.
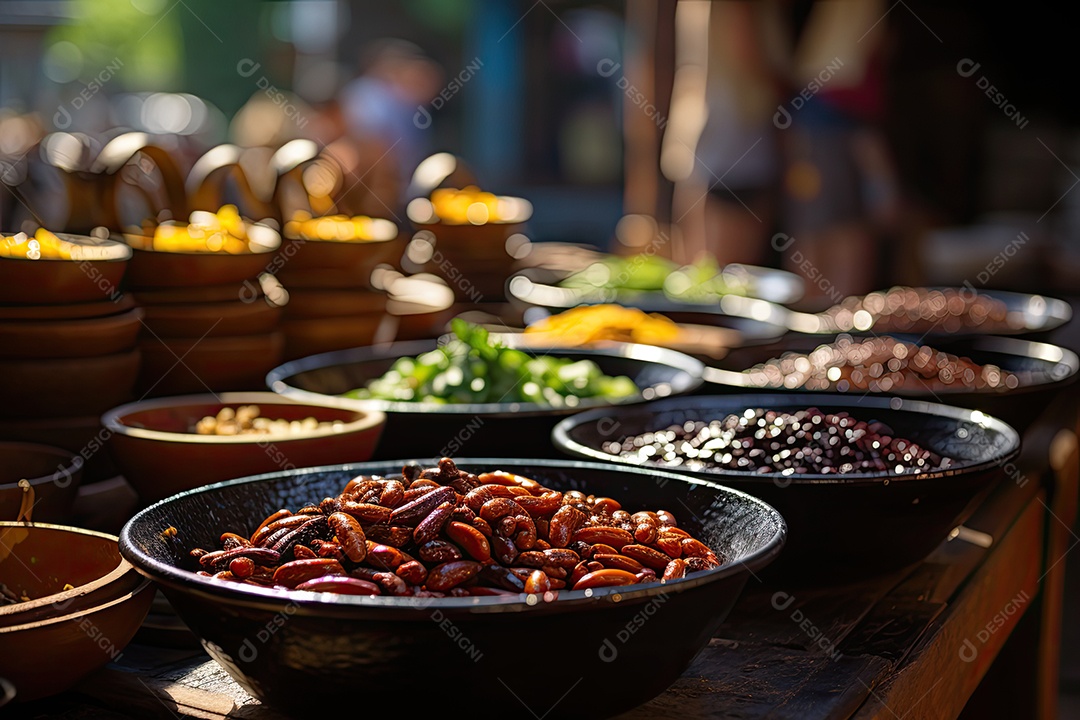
x=866, y=484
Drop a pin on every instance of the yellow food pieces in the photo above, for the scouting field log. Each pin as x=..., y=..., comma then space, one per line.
x=43, y=245
x=220, y=232
x=469, y=205
x=592, y=323
x=359, y=228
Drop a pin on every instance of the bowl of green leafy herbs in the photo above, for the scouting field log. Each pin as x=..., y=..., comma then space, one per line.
x=476, y=391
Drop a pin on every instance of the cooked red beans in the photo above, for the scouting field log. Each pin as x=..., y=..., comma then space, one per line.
x=444, y=532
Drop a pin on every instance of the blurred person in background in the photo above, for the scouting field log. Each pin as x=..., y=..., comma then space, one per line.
x=793, y=142
x=738, y=149
x=383, y=112
x=267, y=122
x=840, y=188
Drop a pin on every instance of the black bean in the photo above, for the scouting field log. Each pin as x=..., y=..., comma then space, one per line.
x=766, y=441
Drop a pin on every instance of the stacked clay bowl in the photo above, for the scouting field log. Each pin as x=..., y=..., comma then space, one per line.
x=212, y=309
x=327, y=265
x=71, y=605
x=67, y=332
x=468, y=238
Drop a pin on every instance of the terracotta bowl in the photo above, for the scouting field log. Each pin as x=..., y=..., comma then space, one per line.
x=66, y=387
x=71, y=633
x=244, y=288
x=214, y=363
x=218, y=319
x=153, y=269
x=52, y=282
x=82, y=436
x=423, y=306
x=472, y=259
x=50, y=656
x=341, y=278
x=159, y=455
x=424, y=325
x=356, y=255
x=56, y=556
x=78, y=338
x=310, y=303
x=479, y=242
x=70, y=311
x=54, y=474
x=312, y=336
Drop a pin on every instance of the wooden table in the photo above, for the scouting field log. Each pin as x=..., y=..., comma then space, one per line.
x=973, y=631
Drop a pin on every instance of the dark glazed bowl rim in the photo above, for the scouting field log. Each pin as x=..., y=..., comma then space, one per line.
x=276, y=379
x=560, y=435
x=997, y=344
x=658, y=301
x=312, y=603
x=1059, y=313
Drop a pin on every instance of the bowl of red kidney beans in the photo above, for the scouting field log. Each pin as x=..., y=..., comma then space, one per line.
x=509, y=581
x=866, y=484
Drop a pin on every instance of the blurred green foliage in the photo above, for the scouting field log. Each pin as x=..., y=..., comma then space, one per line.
x=144, y=35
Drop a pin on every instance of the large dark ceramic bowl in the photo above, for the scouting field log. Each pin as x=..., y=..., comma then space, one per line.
x=496, y=429
x=1043, y=370
x=306, y=653
x=841, y=526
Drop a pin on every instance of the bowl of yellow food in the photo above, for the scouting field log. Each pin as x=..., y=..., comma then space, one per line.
x=470, y=220
x=45, y=268
x=700, y=334
x=210, y=249
x=467, y=236
x=592, y=325
x=343, y=249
